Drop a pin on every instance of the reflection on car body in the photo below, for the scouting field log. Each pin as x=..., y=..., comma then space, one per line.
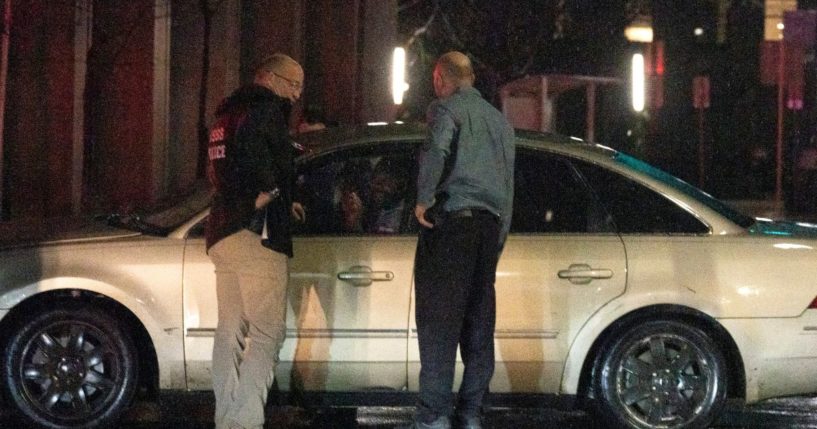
x=619, y=284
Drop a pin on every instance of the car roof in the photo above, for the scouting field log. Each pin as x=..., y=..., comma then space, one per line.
x=319, y=142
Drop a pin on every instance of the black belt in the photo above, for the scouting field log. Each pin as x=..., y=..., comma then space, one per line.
x=469, y=213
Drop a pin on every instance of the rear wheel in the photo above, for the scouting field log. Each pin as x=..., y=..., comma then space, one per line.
x=660, y=374
x=70, y=367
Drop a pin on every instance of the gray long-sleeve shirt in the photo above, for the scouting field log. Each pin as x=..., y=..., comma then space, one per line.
x=474, y=143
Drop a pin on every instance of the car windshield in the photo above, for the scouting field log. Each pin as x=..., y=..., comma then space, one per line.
x=722, y=208
x=162, y=220
x=134, y=222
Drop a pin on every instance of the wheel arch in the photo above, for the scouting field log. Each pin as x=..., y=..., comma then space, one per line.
x=736, y=387
x=148, y=381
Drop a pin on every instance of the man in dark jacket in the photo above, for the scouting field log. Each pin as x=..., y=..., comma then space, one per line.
x=248, y=237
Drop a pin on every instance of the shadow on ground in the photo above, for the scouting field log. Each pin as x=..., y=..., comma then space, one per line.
x=194, y=411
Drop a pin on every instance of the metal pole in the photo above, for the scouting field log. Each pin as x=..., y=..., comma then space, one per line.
x=778, y=188
x=590, y=134
x=4, y=62
x=701, y=149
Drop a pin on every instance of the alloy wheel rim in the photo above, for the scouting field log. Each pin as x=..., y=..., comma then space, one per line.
x=69, y=371
x=665, y=381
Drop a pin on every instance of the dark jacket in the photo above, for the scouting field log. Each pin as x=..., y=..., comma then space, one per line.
x=249, y=151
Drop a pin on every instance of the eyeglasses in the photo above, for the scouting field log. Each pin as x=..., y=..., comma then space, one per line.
x=294, y=84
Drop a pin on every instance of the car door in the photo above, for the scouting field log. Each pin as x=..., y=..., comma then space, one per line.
x=561, y=263
x=349, y=286
x=351, y=277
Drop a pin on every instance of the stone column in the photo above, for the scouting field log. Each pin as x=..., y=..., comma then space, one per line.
x=83, y=19
x=349, y=49
x=378, y=40
x=39, y=117
x=126, y=104
x=186, y=74
x=161, y=100
x=332, y=41
x=269, y=26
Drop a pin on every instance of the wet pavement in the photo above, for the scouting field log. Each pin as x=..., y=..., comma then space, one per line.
x=194, y=411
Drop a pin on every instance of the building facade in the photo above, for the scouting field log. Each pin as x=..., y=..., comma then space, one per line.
x=105, y=107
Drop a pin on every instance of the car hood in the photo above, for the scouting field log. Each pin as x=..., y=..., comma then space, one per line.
x=89, y=232
x=784, y=228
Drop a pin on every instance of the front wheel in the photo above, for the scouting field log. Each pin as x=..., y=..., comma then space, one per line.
x=660, y=374
x=70, y=367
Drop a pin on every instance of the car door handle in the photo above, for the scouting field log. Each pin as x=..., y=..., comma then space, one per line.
x=583, y=273
x=360, y=275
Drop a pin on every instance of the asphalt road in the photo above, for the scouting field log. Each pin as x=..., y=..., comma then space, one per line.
x=194, y=411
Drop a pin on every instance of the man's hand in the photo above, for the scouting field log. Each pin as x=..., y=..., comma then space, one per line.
x=420, y=213
x=351, y=208
x=262, y=200
x=298, y=211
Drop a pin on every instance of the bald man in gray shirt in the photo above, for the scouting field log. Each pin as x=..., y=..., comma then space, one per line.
x=464, y=203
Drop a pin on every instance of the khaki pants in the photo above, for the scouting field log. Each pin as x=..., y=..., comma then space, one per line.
x=251, y=283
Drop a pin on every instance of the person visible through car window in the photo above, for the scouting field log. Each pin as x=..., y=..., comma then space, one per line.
x=382, y=211
x=387, y=195
x=351, y=189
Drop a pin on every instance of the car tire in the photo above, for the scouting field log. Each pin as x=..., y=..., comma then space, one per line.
x=659, y=374
x=70, y=367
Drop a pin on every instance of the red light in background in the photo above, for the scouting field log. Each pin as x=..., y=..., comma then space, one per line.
x=659, y=57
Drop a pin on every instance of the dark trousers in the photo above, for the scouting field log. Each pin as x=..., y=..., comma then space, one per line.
x=455, y=270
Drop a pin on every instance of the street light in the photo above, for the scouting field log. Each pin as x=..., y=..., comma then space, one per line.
x=638, y=83
x=398, y=75
x=639, y=33
x=639, y=30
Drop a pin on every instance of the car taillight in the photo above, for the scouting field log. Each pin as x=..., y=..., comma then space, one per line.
x=813, y=304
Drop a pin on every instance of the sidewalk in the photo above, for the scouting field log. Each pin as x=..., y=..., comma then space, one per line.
x=768, y=208
x=759, y=208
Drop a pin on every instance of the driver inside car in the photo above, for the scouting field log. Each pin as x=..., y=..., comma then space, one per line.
x=384, y=210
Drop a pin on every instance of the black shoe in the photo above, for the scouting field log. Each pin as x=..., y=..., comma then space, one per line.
x=441, y=423
x=468, y=422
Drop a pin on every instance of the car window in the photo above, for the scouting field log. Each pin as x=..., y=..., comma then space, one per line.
x=668, y=179
x=551, y=197
x=197, y=230
x=637, y=209
x=359, y=193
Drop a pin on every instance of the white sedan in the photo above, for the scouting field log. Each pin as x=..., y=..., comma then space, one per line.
x=620, y=285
